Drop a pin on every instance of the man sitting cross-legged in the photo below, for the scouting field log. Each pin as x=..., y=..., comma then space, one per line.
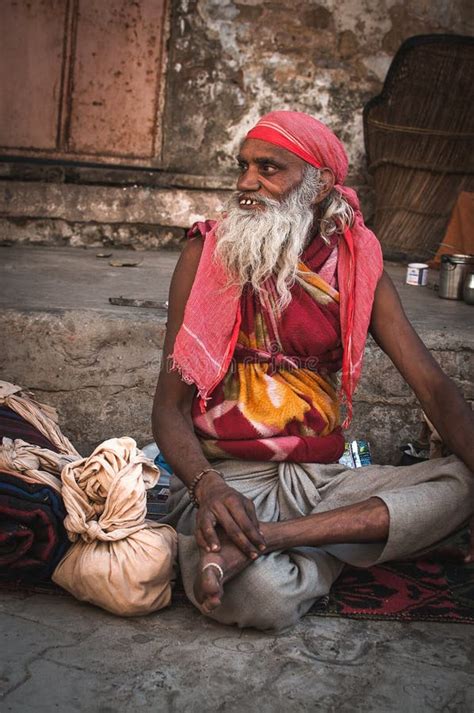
x=265, y=308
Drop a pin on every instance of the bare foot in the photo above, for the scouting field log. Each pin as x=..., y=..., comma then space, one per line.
x=209, y=582
x=230, y=560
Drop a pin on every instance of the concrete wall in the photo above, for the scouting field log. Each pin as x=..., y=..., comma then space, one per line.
x=228, y=62
x=100, y=372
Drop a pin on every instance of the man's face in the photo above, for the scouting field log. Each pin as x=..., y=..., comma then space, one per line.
x=270, y=219
x=266, y=171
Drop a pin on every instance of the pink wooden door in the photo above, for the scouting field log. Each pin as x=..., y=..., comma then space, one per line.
x=81, y=79
x=31, y=57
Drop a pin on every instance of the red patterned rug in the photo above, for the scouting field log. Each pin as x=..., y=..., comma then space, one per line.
x=437, y=588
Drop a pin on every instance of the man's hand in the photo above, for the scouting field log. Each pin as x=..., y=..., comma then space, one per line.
x=219, y=504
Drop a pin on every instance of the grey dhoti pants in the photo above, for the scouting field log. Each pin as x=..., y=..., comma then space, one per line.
x=426, y=502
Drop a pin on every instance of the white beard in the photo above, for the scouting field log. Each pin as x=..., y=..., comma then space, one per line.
x=255, y=244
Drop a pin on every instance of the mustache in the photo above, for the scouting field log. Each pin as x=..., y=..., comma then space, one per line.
x=263, y=200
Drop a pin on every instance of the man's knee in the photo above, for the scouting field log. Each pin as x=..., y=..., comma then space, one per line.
x=257, y=599
x=271, y=594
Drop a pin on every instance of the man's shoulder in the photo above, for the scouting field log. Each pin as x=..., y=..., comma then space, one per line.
x=200, y=242
x=201, y=228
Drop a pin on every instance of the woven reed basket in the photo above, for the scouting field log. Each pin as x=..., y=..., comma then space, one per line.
x=419, y=139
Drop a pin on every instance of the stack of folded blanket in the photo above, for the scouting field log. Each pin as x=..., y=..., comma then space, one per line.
x=33, y=452
x=32, y=536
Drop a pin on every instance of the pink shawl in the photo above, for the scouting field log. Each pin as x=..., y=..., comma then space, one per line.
x=206, y=341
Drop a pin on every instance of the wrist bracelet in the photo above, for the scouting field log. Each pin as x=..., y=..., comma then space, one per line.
x=196, y=480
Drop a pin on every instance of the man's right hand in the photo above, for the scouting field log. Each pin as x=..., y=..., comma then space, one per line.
x=221, y=505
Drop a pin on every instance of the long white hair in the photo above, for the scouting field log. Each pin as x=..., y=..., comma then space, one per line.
x=255, y=244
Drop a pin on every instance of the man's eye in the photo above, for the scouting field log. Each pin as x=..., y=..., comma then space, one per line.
x=269, y=168
x=242, y=166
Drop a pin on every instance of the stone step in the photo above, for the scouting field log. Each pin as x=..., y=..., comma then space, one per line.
x=98, y=363
x=140, y=217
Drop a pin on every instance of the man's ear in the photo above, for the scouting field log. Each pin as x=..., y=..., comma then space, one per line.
x=328, y=181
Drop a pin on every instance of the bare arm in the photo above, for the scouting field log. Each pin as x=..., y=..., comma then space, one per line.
x=174, y=433
x=171, y=417
x=440, y=398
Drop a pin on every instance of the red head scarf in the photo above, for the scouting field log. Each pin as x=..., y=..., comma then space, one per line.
x=304, y=136
x=360, y=261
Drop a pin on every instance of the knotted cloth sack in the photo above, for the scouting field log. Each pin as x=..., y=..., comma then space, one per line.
x=119, y=560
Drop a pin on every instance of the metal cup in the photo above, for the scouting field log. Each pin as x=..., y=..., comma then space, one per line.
x=468, y=289
x=453, y=271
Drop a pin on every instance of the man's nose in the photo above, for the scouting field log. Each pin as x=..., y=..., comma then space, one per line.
x=249, y=180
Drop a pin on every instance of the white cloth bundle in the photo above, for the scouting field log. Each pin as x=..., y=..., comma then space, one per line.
x=43, y=417
x=33, y=464
x=119, y=560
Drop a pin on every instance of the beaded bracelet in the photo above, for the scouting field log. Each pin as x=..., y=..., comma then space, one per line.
x=196, y=480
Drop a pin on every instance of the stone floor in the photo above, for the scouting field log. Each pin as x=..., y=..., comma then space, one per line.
x=60, y=655
x=39, y=278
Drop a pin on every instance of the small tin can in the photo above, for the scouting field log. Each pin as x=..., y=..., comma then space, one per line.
x=417, y=274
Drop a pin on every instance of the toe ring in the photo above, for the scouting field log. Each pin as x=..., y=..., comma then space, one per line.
x=216, y=566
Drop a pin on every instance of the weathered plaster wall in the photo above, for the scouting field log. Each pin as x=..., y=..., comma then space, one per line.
x=232, y=60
